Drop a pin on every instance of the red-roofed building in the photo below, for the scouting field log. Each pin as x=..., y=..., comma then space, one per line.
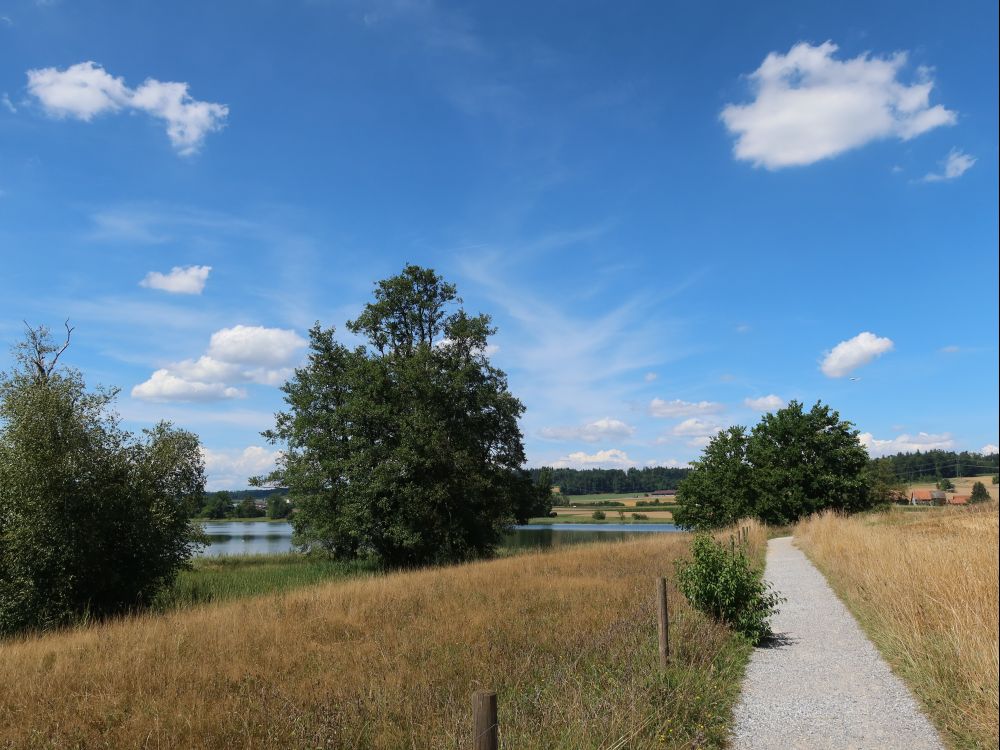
x=927, y=497
x=959, y=499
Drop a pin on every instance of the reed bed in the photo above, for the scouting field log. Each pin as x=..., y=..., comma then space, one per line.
x=924, y=588
x=567, y=638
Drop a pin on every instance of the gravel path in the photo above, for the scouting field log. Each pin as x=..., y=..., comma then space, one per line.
x=822, y=684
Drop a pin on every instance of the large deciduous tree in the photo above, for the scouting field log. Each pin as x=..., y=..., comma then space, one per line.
x=405, y=450
x=92, y=520
x=791, y=464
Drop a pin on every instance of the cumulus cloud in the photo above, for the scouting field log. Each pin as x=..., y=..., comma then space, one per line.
x=904, y=443
x=849, y=355
x=696, y=428
x=954, y=166
x=85, y=90
x=612, y=458
x=809, y=106
x=241, y=354
x=989, y=449
x=591, y=432
x=163, y=385
x=230, y=469
x=180, y=279
x=765, y=403
x=677, y=408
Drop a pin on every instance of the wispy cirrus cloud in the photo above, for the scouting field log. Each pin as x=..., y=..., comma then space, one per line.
x=954, y=166
x=808, y=106
x=86, y=90
x=591, y=432
x=678, y=408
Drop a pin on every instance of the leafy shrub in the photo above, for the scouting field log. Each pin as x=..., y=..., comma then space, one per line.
x=639, y=516
x=724, y=585
x=598, y=515
x=979, y=493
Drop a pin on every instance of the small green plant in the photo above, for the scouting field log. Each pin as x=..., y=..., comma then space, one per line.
x=639, y=516
x=598, y=515
x=723, y=584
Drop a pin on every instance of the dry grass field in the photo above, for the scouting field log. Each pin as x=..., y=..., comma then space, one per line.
x=567, y=638
x=924, y=587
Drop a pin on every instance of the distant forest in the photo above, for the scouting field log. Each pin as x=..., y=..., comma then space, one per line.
x=592, y=481
x=911, y=467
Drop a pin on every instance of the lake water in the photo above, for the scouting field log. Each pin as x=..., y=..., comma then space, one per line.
x=270, y=538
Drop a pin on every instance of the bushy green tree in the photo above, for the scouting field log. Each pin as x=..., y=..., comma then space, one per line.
x=946, y=484
x=979, y=493
x=719, y=489
x=92, y=520
x=278, y=506
x=407, y=449
x=791, y=464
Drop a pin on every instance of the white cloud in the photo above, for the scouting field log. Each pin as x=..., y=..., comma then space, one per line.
x=989, y=449
x=904, y=443
x=164, y=385
x=591, y=432
x=180, y=279
x=230, y=469
x=696, y=428
x=613, y=458
x=649, y=377
x=955, y=165
x=86, y=90
x=849, y=355
x=241, y=354
x=677, y=408
x=810, y=106
x=765, y=403
x=255, y=345
x=951, y=349
x=8, y=104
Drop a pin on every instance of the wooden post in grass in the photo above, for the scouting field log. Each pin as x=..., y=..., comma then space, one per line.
x=663, y=621
x=484, y=721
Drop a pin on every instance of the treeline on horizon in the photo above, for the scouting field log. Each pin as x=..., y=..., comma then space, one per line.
x=912, y=467
x=908, y=467
x=594, y=481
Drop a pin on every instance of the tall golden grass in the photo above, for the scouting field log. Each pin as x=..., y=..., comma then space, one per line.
x=924, y=587
x=567, y=638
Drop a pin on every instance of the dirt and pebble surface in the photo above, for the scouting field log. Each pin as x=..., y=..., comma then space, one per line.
x=821, y=684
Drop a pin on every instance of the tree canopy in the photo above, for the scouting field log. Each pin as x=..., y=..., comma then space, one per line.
x=92, y=520
x=407, y=449
x=791, y=464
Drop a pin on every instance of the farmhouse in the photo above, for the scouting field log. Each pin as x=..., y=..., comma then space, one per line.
x=959, y=499
x=663, y=493
x=927, y=497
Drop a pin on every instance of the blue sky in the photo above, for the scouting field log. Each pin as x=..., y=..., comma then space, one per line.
x=679, y=214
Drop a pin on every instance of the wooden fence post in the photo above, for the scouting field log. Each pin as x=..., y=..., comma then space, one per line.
x=663, y=622
x=484, y=721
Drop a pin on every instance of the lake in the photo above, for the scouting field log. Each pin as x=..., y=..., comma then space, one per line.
x=271, y=538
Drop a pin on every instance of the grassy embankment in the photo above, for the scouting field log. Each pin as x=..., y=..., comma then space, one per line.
x=924, y=588
x=567, y=638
